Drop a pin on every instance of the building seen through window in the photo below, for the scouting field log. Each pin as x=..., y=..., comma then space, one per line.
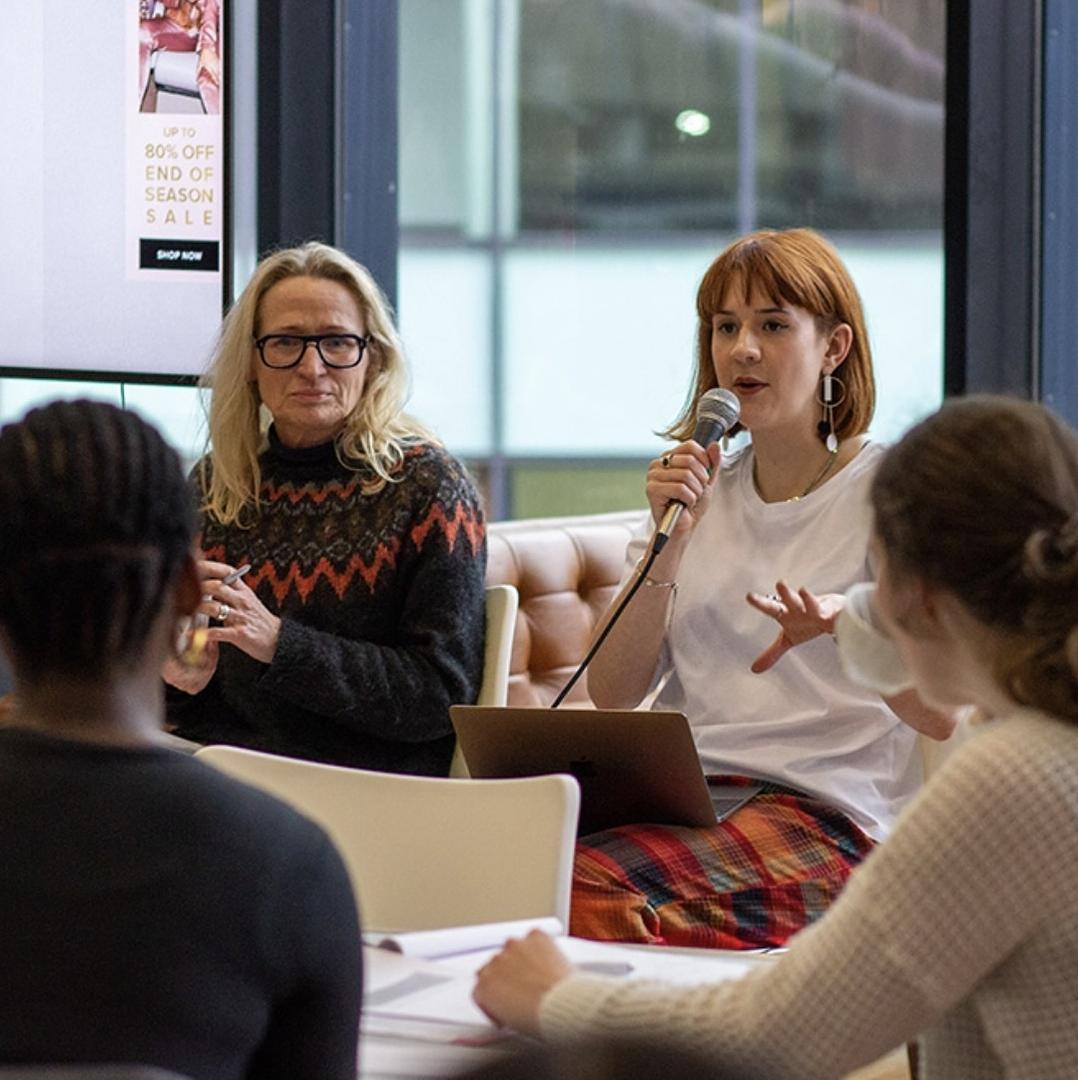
x=569, y=169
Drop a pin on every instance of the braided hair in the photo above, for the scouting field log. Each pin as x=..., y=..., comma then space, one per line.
x=982, y=498
x=97, y=520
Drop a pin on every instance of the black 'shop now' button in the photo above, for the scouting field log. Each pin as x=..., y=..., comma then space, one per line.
x=179, y=255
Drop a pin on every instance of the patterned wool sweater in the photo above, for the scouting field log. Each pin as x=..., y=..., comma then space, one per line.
x=962, y=927
x=380, y=594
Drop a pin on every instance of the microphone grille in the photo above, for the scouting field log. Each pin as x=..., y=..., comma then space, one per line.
x=719, y=405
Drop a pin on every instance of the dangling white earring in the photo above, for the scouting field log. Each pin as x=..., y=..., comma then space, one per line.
x=832, y=394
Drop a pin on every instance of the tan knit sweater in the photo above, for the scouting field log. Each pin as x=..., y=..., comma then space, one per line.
x=962, y=927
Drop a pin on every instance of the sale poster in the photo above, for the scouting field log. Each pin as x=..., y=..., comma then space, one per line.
x=175, y=139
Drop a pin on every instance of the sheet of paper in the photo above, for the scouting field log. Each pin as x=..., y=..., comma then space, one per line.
x=383, y=969
x=404, y=1059
x=440, y=991
x=404, y=988
x=431, y=944
x=641, y=961
x=445, y=1001
x=685, y=967
x=375, y=1025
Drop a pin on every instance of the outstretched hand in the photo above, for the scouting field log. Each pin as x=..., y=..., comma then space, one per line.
x=801, y=616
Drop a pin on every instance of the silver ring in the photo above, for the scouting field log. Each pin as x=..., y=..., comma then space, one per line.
x=223, y=612
x=665, y=459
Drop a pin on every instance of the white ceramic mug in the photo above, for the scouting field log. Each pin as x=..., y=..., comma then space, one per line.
x=868, y=655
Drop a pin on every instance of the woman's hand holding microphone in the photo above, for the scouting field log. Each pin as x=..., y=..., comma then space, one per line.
x=681, y=482
x=687, y=474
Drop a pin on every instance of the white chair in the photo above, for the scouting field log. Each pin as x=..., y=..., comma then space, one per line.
x=428, y=853
x=501, y=621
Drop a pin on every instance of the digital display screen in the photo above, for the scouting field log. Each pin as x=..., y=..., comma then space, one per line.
x=112, y=188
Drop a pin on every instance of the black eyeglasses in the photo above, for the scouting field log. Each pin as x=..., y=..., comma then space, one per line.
x=336, y=350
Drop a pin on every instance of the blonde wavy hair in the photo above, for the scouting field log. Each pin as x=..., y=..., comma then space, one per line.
x=375, y=435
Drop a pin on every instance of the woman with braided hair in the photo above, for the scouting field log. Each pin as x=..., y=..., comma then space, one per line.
x=361, y=619
x=962, y=927
x=154, y=910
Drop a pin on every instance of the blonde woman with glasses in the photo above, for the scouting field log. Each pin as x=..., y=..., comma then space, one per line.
x=360, y=619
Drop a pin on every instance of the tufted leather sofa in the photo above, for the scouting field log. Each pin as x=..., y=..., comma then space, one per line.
x=566, y=570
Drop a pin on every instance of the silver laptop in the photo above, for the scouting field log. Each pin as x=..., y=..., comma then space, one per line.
x=633, y=767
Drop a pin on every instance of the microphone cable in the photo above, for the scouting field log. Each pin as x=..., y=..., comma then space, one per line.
x=717, y=411
x=653, y=554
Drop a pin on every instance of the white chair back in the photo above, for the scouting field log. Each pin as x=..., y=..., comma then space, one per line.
x=501, y=620
x=428, y=853
x=502, y=602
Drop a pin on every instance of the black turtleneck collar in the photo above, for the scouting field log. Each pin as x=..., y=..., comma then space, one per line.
x=300, y=455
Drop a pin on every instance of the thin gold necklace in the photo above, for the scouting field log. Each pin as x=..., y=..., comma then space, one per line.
x=815, y=482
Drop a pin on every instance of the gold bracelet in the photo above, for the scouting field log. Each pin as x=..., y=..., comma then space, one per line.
x=651, y=581
x=671, y=602
x=660, y=584
x=653, y=584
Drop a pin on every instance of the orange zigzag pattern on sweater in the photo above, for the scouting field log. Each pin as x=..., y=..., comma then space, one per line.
x=462, y=518
x=385, y=555
x=314, y=492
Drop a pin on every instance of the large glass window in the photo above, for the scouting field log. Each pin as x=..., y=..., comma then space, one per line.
x=570, y=167
x=177, y=411
x=645, y=117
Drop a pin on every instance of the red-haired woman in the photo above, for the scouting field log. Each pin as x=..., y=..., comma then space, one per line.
x=781, y=326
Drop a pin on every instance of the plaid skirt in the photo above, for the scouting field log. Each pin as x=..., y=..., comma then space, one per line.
x=753, y=880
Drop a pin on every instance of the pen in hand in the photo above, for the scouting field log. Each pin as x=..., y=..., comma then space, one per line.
x=231, y=579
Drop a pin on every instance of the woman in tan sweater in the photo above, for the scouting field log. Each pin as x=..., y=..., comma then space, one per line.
x=962, y=928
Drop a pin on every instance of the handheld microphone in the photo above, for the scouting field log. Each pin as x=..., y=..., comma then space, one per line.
x=717, y=411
